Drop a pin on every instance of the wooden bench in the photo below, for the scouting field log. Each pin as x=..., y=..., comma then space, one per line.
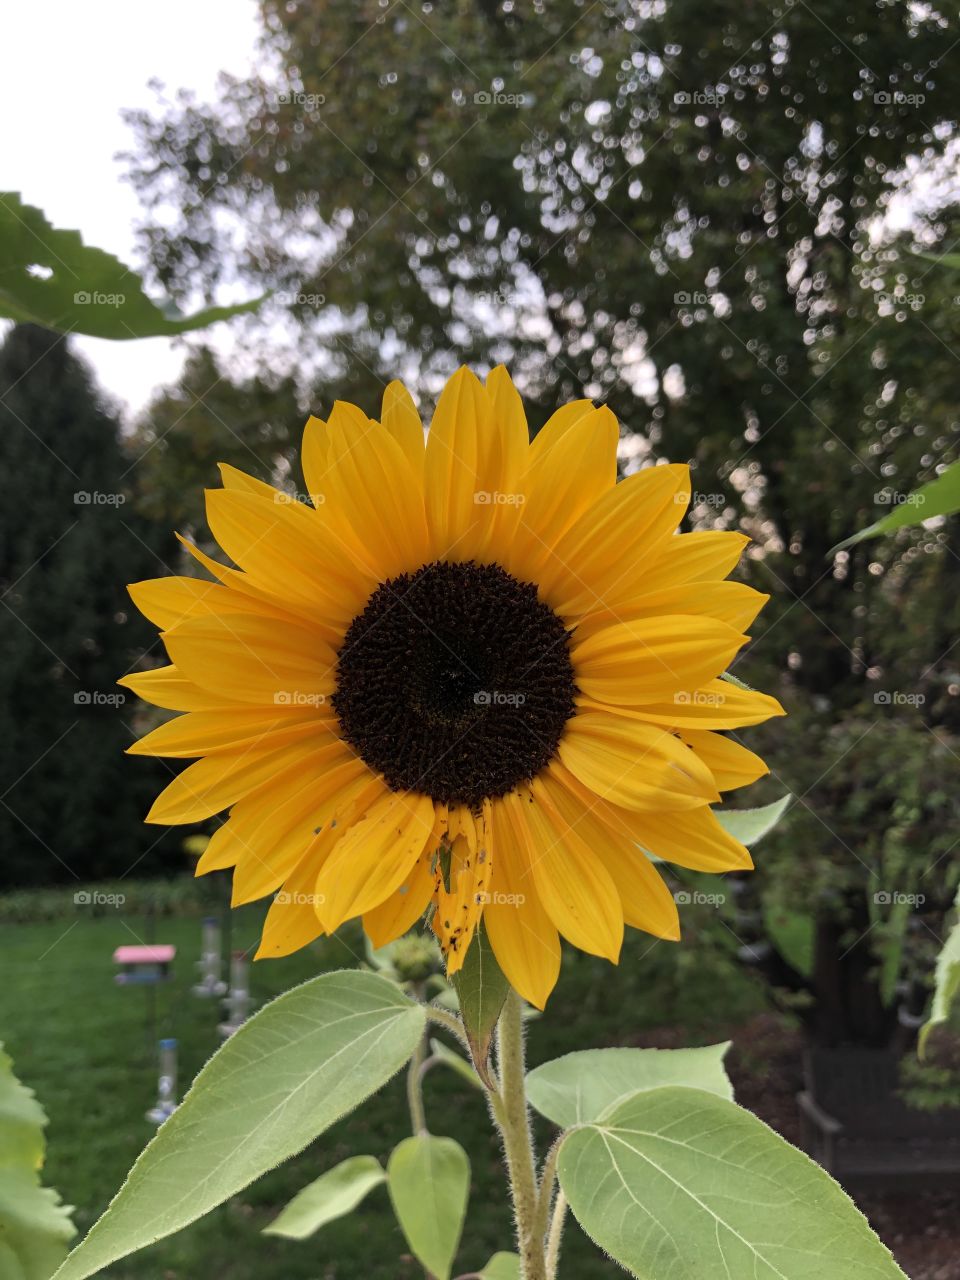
x=857, y=1126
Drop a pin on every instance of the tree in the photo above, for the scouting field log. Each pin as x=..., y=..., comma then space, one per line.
x=72, y=804
x=203, y=419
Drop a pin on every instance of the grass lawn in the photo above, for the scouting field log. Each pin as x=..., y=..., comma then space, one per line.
x=79, y=1041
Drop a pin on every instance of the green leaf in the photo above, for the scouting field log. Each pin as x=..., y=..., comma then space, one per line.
x=502, y=1266
x=750, y=825
x=450, y=1058
x=682, y=1183
x=22, y=1120
x=942, y=259
x=333, y=1195
x=35, y=1228
x=581, y=1087
x=939, y=497
x=51, y=278
x=294, y=1068
x=793, y=933
x=429, y=1182
x=481, y=990
x=946, y=983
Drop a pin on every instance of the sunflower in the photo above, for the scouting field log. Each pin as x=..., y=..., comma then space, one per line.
x=474, y=676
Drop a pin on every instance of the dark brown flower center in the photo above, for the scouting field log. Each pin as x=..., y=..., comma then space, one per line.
x=455, y=681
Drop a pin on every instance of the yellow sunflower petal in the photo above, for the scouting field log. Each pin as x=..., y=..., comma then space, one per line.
x=252, y=659
x=206, y=787
x=374, y=857
x=501, y=459
x=646, y=902
x=696, y=840
x=400, y=418
x=524, y=938
x=603, y=558
x=313, y=459
x=292, y=921
x=651, y=658
x=373, y=487
x=575, y=469
x=288, y=552
x=169, y=688
x=167, y=601
x=202, y=733
x=695, y=557
x=734, y=603
x=572, y=882
x=731, y=764
x=637, y=765
x=339, y=782
x=234, y=478
x=718, y=704
x=693, y=838
x=400, y=912
x=452, y=481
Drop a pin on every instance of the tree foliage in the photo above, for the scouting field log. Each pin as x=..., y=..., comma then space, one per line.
x=72, y=804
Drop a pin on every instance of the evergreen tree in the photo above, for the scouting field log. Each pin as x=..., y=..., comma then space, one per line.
x=72, y=804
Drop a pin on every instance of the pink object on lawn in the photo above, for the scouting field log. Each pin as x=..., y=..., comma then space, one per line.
x=163, y=953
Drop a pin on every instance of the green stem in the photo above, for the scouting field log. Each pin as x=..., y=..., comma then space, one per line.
x=545, y=1193
x=555, y=1233
x=510, y=1113
x=448, y=1020
x=418, y=1116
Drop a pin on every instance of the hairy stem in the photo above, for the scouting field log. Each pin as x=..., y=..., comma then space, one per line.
x=554, y=1235
x=510, y=1112
x=418, y=1116
x=548, y=1176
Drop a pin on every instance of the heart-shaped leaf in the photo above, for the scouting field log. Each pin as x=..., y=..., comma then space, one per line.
x=580, y=1087
x=429, y=1182
x=285, y=1076
x=682, y=1183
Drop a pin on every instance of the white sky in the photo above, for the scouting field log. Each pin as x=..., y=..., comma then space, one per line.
x=66, y=72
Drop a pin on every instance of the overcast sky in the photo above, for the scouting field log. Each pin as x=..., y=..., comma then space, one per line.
x=66, y=72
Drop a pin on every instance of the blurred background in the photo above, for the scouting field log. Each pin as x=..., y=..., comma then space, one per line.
x=721, y=220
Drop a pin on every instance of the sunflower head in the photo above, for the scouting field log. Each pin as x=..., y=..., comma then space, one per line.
x=474, y=676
